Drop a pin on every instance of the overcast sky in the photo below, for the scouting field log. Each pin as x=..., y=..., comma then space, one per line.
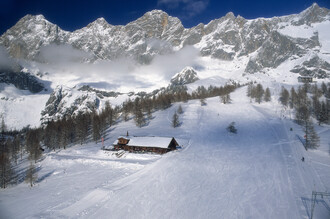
x=74, y=14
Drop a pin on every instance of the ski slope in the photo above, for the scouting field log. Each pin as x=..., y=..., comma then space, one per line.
x=256, y=173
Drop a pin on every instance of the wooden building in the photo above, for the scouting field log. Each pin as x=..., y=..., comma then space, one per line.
x=159, y=145
x=305, y=79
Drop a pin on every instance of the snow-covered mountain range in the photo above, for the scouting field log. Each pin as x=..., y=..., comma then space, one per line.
x=158, y=33
x=146, y=53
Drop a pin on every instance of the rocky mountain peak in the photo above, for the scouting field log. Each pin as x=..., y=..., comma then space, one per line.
x=230, y=15
x=186, y=76
x=29, y=34
x=156, y=19
x=224, y=38
x=100, y=22
x=313, y=14
x=156, y=12
x=31, y=18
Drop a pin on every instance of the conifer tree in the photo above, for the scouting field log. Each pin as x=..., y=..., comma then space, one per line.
x=103, y=124
x=82, y=127
x=259, y=92
x=323, y=115
x=31, y=174
x=109, y=114
x=302, y=114
x=284, y=97
x=323, y=88
x=293, y=98
x=180, y=110
x=33, y=144
x=50, y=135
x=16, y=144
x=125, y=112
x=175, y=120
x=69, y=131
x=3, y=127
x=317, y=107
x=6, y=170
x=139, y=118
x=225, y=98
x=249, y=90
x=311, y=137
x=302, y=98
x=267, y=96
x=96, y=127
x=149, y=113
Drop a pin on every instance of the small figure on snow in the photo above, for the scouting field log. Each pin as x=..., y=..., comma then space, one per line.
x=302, y=159
x=231, y=128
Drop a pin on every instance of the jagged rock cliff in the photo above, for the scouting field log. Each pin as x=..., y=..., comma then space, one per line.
x=65, y=101
x=158, y=33
x=21, y=80
x=186, y=76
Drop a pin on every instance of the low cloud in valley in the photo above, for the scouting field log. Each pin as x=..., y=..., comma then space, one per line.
x=67, y=65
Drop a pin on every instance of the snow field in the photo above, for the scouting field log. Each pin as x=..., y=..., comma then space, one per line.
x=20, y=108
x=256, y=173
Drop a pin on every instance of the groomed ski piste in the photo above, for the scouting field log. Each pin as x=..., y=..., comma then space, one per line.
x=256, y=173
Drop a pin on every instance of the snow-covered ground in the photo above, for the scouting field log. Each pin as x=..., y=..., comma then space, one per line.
x=256, y=173
x=21, y=108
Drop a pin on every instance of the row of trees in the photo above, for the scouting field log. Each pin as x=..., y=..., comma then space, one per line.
x=12, y=147
x=76, y=129
x=55, y=135
x=88, y=126
x=308, y=101
x=308, y=98
x=141, y=109
x=258, y=93
x=72, y=129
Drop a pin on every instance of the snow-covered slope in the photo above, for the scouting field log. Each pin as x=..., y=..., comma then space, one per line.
x=256, y=173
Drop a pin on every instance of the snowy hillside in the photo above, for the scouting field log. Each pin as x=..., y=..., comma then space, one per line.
x=145, y=68
x=256, y=173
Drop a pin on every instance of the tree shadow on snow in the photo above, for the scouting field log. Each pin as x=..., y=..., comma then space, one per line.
x=42, y=178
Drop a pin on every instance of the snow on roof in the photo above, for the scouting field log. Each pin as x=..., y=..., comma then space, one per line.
x=159, y=142
x=125, y=137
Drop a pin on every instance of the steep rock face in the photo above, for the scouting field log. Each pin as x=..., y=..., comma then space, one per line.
x=313, y=14
x=158, y=33
x=25, y=39
x=65, y=101
x=222, y=37
x=315, y=67
x=186, y=76
x=21, y=80
x=94, y=37
x=278, y=48
x=255, y=33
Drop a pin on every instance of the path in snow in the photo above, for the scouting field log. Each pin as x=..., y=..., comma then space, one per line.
x=220, y=175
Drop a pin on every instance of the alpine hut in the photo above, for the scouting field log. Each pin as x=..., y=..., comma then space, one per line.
x=159, y=145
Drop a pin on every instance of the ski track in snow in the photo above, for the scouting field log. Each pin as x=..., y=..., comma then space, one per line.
x=256, y=173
